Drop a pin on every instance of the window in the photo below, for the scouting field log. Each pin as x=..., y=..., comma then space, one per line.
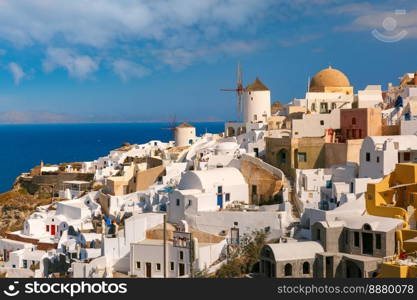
x=219, y=189
x=321, y=122
x=190, y=202
x=138, y=265
x=282, y=157
x=172, y=266
x=158, y=267
x=181, y=255
x=367, y=227
x=377, y=159
x=407, y=156
x=378, y=241
x=178, y=202
x=353, y=121
x=348, y=133
x=323, y=108
x=228, y=197
x=356, y=239
x=368, y=156
x=25, y=263
x=334, y=105
x=255, y=117
x=306, y=267
x=302, y=156
x=313, y=106
x=47, y=228
x=288, y=270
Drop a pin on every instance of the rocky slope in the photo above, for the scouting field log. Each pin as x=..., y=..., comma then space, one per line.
x=15, y=207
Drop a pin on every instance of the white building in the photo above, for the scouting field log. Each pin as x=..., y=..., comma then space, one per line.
x=314, y=125
x=208, y=190
x=185, y=135
x=380, y=154
x=256, y=103
x=116, y=249
x=73, y=189
x=147, y=260
x=370, y=97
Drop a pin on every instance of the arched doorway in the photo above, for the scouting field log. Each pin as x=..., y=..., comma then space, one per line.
x=282, y=157
x=352, y=270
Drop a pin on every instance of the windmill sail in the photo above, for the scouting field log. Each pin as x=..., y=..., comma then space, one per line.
x=239, y=92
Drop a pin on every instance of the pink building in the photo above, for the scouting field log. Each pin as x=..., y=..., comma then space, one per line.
x=358, y=123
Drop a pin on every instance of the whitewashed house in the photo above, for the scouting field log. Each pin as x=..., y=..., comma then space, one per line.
x=208, y=190
x=146, y=258
x=380, y=154
x=314, y=124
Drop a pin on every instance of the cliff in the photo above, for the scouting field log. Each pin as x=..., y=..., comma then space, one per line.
x=15, y=207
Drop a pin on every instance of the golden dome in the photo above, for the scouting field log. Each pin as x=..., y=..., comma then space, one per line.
x=328, y=78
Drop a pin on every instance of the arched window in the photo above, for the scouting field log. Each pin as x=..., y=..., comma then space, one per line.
x=306, y=267
x=366, y=226
x=288, y=270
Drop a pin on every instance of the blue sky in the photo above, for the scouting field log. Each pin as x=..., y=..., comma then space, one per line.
x=146, y=60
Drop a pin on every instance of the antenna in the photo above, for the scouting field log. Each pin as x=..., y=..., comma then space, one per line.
x=239, y=91
x=308, y=83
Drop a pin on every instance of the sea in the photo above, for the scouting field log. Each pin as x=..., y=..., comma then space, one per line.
x=24, y=146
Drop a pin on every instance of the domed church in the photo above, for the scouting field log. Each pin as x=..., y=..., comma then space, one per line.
x=330, y=81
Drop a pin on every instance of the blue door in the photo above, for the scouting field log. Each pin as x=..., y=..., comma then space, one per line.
x=220, y=200
x=220, y=196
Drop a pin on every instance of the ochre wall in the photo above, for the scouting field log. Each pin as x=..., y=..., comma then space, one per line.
x=312, y=146
x=267, y=184
x=146, y=178
x=390, y=130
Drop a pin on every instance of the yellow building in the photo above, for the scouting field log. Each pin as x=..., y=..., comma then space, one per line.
x=288, y=154
x=137, y=176
x=396, y=197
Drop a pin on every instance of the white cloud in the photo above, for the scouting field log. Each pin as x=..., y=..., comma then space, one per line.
x=176, y=33
x=178, y=29
x=17, y=72
x=126, y=69
x=102, y=23
x=78, y=66
x=369, y=17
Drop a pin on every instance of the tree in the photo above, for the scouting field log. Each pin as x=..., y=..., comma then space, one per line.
x=244, y=257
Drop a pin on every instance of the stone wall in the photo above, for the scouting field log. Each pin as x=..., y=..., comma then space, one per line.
x=50, y=183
